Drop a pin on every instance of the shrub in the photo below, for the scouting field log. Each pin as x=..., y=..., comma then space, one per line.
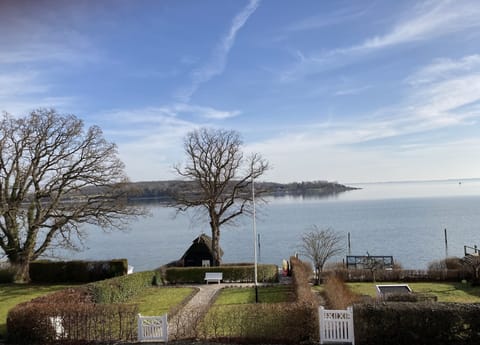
x=45, y=271
x=261, y=323
x=450, y=263
x=417, y=323
x=33, y=323
x=301, y=272
x=399, y=275
x=121, y=289
x=337, y=293
x=231, y=273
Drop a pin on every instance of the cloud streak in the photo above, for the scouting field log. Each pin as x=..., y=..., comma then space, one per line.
x=442, y=95
x=218, y=61
x=429, y=20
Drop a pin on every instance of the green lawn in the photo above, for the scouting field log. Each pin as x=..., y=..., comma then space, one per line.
x=270, y=294
x=13, y=294
x=235, y=313
x=158, y=301
x=446, y=292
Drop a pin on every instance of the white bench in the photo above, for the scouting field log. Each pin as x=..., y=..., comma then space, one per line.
x=213, y=276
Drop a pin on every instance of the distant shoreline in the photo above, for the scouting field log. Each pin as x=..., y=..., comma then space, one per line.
x=162, y=191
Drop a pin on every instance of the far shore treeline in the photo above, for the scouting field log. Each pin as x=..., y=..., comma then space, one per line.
x=164, y=190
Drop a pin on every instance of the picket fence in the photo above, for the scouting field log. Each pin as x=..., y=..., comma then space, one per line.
x=336, y=326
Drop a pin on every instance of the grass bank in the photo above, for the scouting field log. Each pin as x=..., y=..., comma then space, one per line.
x=271, y=294
x=157, y=301
x=446, y=292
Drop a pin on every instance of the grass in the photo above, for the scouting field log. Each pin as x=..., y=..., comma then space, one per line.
x=157, y=301
x=13, y=294
x=271, y=294
x=235, y=313
x=446, y=292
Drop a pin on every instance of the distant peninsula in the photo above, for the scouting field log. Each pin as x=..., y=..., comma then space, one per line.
x=163, y=190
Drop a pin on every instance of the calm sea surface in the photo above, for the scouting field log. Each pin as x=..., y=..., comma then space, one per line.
x=406, y=220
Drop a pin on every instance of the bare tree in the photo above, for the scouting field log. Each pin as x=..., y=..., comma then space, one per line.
x=319, y=245
x=221, y=178
x=54, y=176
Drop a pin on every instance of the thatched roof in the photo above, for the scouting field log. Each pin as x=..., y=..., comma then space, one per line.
x=207, y=241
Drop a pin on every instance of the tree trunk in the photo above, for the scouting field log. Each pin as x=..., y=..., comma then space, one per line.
x=317, y=275
x=21, y=265
x=216, y=243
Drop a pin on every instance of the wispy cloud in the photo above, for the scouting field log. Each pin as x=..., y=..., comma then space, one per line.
x=444, y=68
x=216, y=65
x=442, y=95
x=326, y=19
x=24, y=91
x=426, y=21
x=351, y=91
x=150, y=139
x=168, y=114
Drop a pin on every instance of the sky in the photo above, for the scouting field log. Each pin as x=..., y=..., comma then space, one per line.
x=347, y=91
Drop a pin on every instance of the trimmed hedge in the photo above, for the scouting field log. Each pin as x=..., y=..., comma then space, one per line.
x=121, y=289
x=262, y=323
x=358, y=275
x=87, y=313
x=45, y=271
x=7, y=274
x=240, y=274
x=399, y=323
x=31, y=323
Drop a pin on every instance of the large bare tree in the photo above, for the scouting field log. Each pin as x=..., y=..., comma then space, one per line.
x=221, y=178
x=54, y=176
x=319, y=245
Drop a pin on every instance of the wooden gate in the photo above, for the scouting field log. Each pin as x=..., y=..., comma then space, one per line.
x=336, y=326
x=152, y=328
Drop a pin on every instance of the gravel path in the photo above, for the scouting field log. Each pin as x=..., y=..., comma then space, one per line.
x=182, y=325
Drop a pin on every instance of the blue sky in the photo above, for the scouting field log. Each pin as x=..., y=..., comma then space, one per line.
x=348, y=91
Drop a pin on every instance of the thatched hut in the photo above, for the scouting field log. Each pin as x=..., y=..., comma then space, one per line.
x=200, y=252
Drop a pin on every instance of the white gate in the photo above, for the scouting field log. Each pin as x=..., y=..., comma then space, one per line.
x=336, y=326
x=152, y=328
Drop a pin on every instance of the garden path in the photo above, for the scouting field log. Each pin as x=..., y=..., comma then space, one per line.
x=185, y=323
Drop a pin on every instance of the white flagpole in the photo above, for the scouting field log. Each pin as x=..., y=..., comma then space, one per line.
x=255, y=239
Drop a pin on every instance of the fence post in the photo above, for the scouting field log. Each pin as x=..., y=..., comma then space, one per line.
x=139, y=328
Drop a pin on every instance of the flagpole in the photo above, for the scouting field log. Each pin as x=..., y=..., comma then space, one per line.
x=254, y=239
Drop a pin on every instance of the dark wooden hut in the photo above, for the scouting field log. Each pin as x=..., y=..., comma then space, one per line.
x=200, y=252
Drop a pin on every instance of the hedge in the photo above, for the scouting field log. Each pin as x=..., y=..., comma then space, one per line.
x=121, y=289
x=33, y=323
x=399, y=323
x=262, y=323
x=359, y=275
x=45, y=271
x=87, y=313
x=7, y=274
x=240, y=274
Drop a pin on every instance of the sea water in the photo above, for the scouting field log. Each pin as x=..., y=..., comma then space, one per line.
x=406, y=220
